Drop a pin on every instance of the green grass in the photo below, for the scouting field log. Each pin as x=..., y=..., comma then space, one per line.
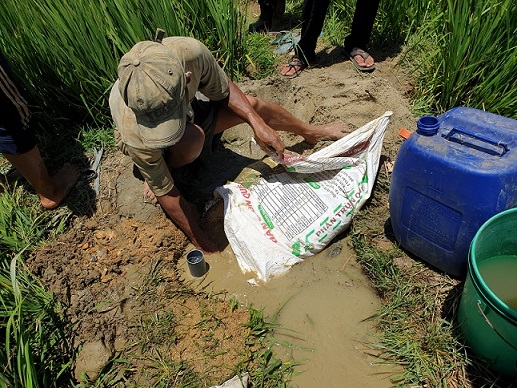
x=23, y=222
x=465, y=55
x=417, y=320
x=68, y=69
x=36, y=351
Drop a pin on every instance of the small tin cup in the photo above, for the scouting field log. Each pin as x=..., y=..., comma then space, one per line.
x=196, y=263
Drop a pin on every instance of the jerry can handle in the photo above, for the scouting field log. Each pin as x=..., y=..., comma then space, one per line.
x=456, y=133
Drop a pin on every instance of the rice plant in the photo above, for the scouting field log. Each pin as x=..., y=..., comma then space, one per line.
x=35, y=351
x=467, y=57
x=67, y=52
x=24, y=223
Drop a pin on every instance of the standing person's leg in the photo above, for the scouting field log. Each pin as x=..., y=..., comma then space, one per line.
x=265, y=19
x=359, y=38
x=18, y=144
x=270, y=18
x=278, y=14
x=314, y=13
x=52, y=190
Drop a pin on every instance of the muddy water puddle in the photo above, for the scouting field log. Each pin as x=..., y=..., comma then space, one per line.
x=323, y=305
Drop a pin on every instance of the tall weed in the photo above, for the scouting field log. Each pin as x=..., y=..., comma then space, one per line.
x=466, y=56
x=67, y=52
x=35, y=351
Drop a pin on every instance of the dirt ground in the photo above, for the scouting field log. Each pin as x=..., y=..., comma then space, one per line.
x=115, y=270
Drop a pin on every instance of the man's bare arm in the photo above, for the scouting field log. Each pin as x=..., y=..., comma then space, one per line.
x=266, y=137
x=181, y=213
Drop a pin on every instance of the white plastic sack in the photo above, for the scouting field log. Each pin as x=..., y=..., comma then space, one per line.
x=289, y=216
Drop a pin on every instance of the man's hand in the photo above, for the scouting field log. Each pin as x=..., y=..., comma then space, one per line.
x=267, y=139
x=207, y=246
x=265, y=136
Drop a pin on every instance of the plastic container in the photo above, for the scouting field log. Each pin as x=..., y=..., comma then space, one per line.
x=448, y=180
x=487, y=315
x=196, y=263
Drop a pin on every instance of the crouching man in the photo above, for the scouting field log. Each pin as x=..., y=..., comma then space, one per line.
x=162, y=125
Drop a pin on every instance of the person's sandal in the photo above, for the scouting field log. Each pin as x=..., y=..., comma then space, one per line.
x=295, y=64
x=357, y=51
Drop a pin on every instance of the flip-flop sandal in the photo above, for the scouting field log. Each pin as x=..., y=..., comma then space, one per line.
x=357, y=51
x=298, y=65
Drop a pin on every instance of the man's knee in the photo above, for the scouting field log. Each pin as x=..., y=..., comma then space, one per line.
x=188, y=148
x=255, y=102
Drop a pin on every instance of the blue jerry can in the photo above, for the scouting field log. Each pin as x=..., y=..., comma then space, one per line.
x=448, y=180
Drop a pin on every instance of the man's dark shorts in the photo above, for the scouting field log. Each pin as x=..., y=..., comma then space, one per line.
x=15, y=135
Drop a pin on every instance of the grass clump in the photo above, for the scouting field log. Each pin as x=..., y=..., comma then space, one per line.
x=23, y=222
x=69, y=68
x=465, y=55
x=36, y=351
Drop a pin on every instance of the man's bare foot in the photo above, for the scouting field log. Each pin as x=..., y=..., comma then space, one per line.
x=148, y=193
x=332, y=131
x=62, y=182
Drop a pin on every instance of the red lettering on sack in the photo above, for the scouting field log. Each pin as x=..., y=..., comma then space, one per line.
x=244, y=192
x=270, y=236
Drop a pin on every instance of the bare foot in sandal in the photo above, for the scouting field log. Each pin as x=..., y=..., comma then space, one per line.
x=293, y=68
x=331, y=131
x=361, y=59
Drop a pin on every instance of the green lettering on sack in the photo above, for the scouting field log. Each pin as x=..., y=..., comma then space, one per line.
x=312, y=184
x=296, y=248
x=265, y=217
x=308, y=235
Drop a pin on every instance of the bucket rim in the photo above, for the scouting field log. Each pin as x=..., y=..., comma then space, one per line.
x=492, y=299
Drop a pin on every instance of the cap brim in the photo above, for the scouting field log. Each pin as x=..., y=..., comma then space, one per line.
x=164, y=133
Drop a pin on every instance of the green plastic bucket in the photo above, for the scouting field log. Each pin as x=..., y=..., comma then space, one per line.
x=487, y=312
